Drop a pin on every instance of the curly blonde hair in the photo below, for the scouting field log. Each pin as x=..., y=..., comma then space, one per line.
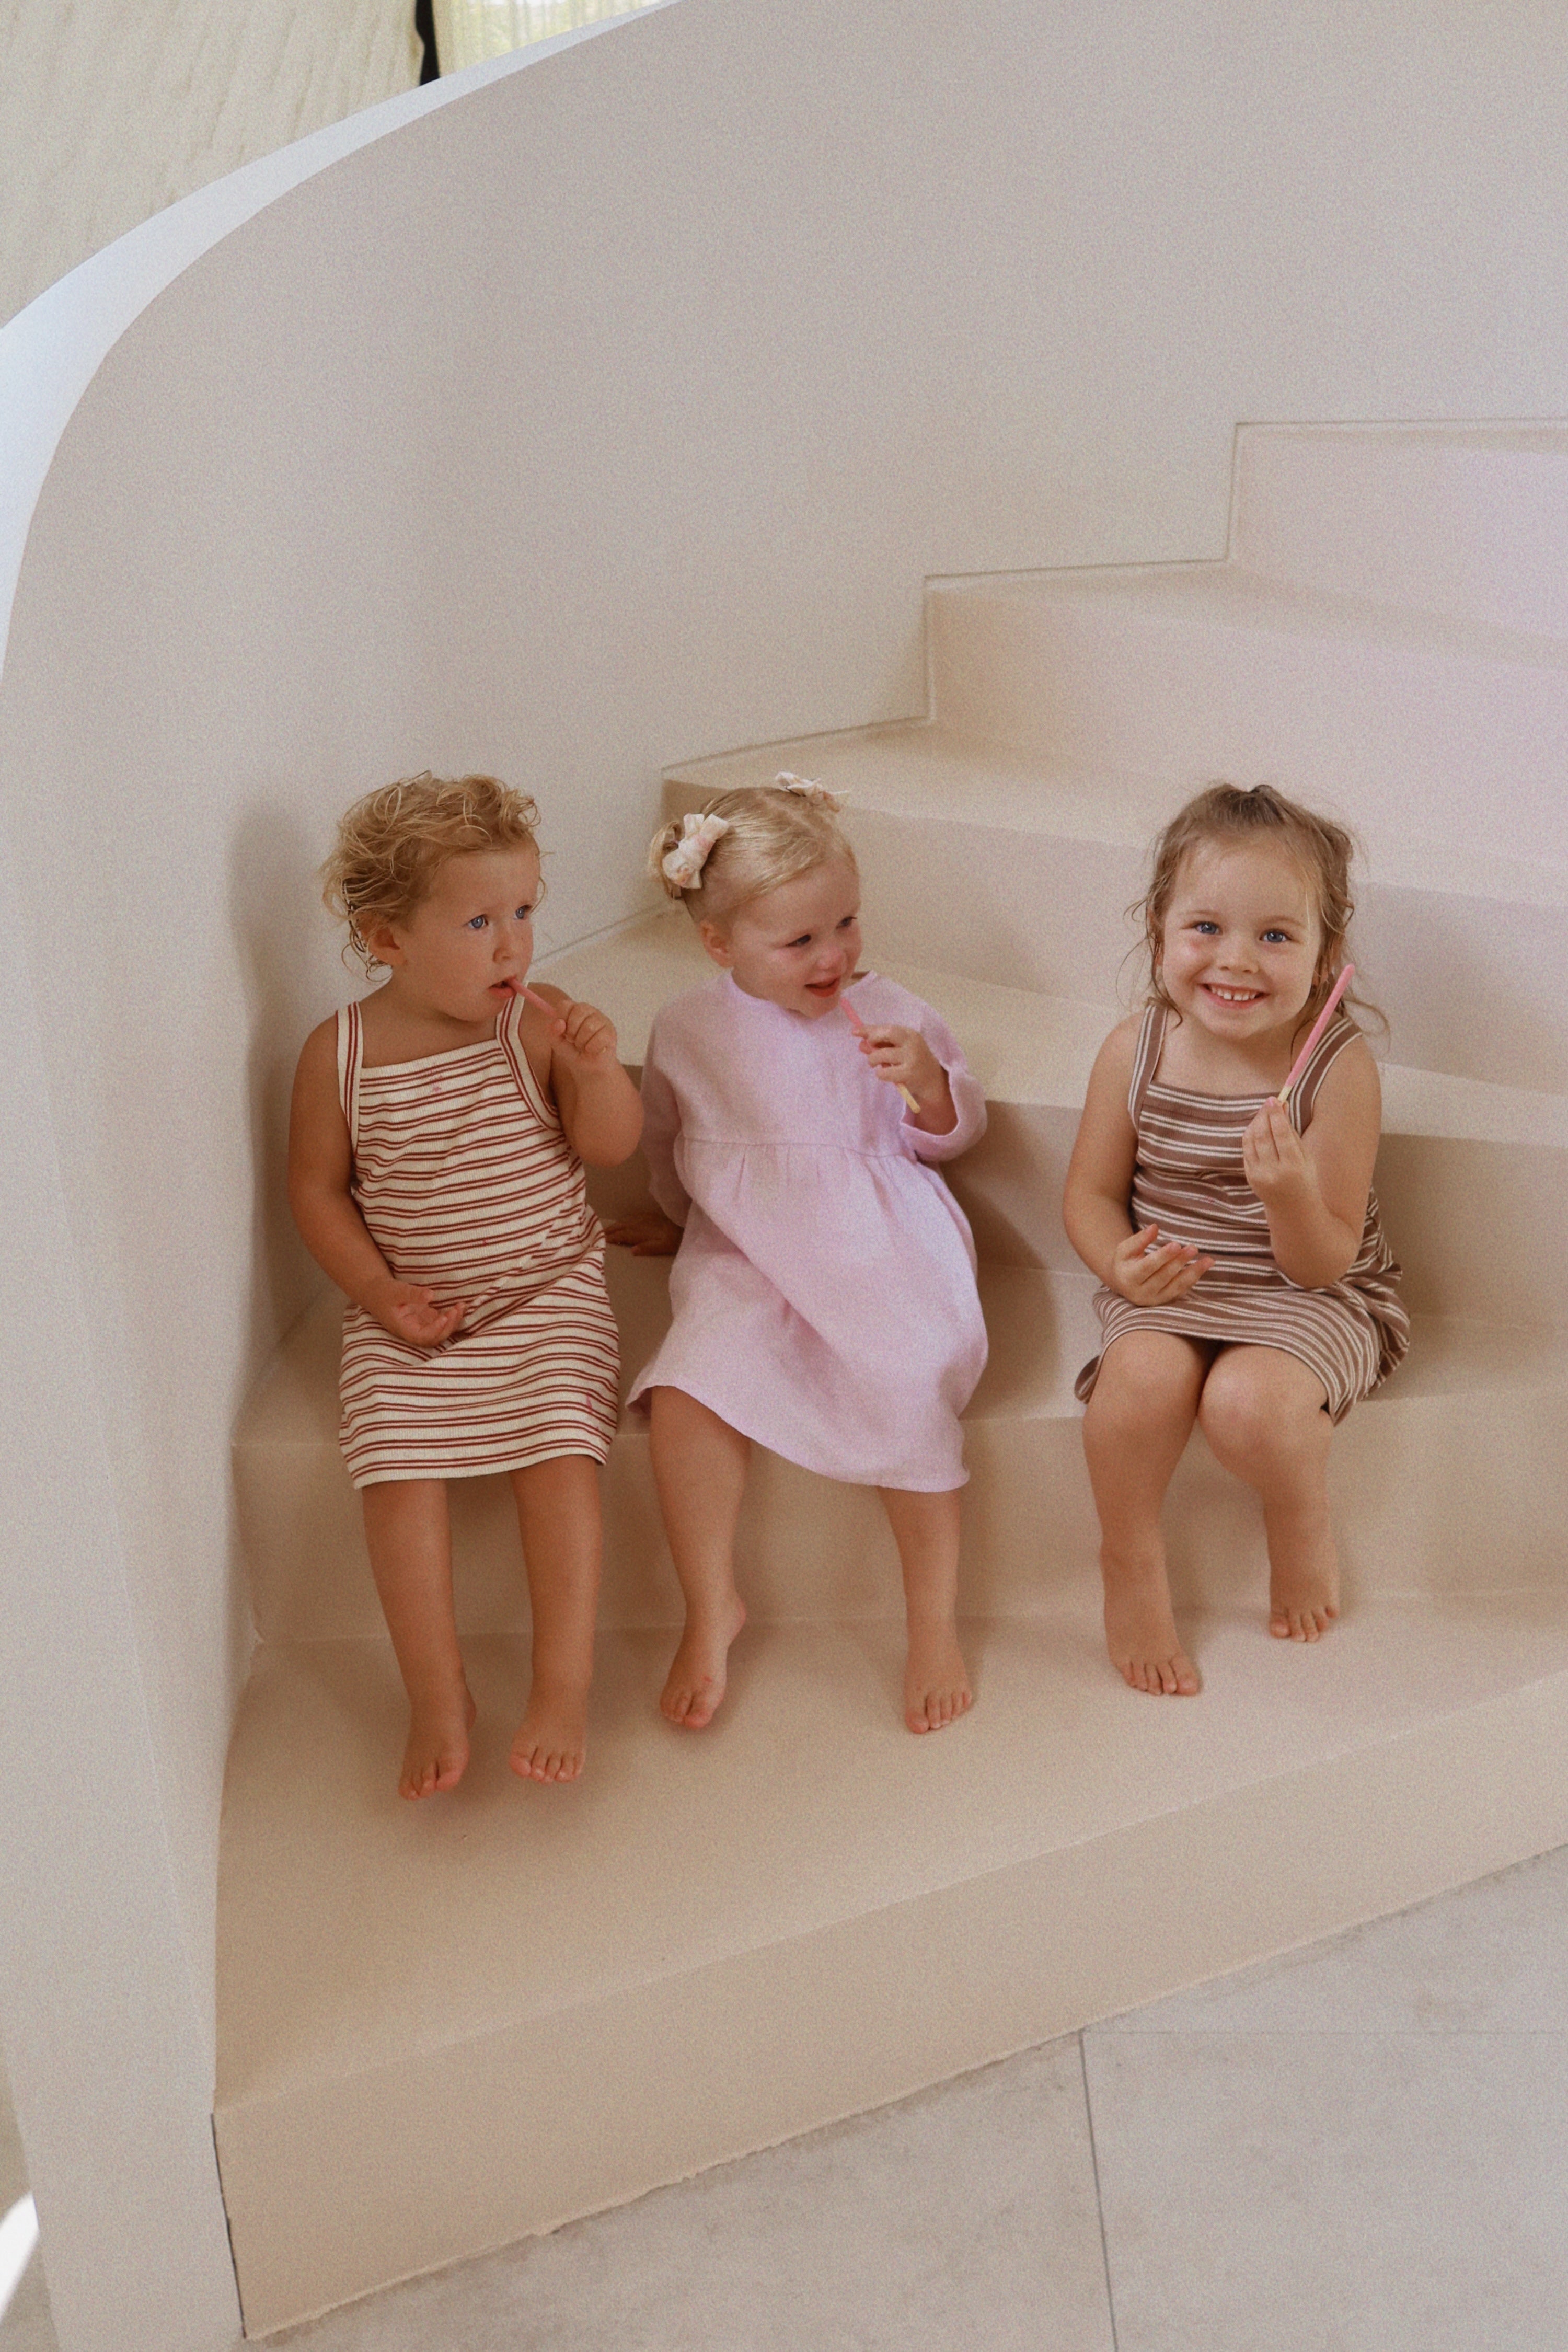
x=771, y=834
x=1228, y=817
x=391, y=845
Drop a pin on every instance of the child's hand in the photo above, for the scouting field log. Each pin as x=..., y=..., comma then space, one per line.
x=650, y=1234
x=585, y=1037
x=1151, y=1273
x=1275, y=1159
x=900, y=1058
x=408, y=1311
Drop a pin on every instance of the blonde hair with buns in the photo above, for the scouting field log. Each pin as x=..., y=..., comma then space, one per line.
x=746, y=842
x=391, y=845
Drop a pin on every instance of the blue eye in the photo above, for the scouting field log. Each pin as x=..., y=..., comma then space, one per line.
x=523, y=913
x=1206, y=926
x=476, y=922
x=1277, y=939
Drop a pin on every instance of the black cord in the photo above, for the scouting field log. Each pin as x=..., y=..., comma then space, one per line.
x=425, y=26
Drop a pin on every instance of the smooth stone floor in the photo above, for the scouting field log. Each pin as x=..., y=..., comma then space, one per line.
x=1362, y=2148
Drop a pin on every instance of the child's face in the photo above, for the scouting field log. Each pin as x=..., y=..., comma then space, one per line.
x=465, y=950
x=799, y=945
x=1241, y=940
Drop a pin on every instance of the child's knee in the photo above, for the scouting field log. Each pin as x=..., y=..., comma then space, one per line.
x=1261, y=1410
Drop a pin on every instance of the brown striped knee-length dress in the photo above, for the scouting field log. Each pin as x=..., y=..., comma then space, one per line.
x=464, y=1175
x=1188, y=1179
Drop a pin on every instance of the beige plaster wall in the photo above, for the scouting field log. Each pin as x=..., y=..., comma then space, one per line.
x=610, y=412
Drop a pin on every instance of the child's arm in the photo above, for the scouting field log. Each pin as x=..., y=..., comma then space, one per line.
x=948, y=1110
x=1314, y=1187
x=598, y=1104
x=1137, y=1265
x=321, y=1162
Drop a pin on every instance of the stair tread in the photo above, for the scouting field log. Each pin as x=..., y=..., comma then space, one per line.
x=1025, y=1047
x=918, y=770
x=1231, y=594
x=342, y=1906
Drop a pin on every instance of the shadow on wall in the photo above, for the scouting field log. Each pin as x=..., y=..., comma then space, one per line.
x=274, y=904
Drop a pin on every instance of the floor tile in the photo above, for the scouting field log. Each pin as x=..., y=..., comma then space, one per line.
x=1333, y=2192
x=1486, y=1958
x=967, y=2213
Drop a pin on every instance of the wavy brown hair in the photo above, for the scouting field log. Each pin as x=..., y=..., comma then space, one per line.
x=1232, y=818
x=391, y=845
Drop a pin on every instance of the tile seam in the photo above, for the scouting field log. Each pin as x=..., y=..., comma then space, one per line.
x=1098, y=2198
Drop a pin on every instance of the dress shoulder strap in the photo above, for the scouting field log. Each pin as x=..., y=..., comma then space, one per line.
x=1340, y=1031
x=351, y=1055
x=1146, y=1060
x=527, y=1086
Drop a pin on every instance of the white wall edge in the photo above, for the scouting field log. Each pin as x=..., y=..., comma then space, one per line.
x=50, y=352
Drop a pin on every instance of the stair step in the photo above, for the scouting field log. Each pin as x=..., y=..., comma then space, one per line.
x=1019, y=868
x=446, y=2026
x=1415, y=1475
x=1469, y=521
x=1401, y=723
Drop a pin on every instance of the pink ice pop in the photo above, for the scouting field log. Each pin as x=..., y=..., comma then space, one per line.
x=1318, y=1026
x=859, y=1028
x=543, y=1002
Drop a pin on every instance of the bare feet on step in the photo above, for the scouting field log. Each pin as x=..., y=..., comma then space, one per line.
x=552, y=1737
x=936, y=1683
x=701, y=1671
x=1140, y=1631
x=437, y=1755
x=1303, y=1588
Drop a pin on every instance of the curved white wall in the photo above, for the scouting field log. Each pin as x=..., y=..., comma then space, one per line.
x=612, y=412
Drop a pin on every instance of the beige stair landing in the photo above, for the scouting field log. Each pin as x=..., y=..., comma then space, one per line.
x=448, y=2025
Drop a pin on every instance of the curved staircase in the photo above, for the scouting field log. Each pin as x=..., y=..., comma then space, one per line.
x=448, y=2025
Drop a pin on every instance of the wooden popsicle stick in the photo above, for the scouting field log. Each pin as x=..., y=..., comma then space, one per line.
x=859, y=1028
x=1318, y=1026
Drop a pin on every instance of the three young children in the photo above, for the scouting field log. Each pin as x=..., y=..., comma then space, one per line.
x=793, y=1112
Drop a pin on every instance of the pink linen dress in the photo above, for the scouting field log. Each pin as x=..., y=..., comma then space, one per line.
x=823, y=1291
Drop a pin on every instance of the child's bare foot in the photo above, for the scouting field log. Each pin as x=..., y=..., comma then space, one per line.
x=701, y=1671
x=552, y=1737
x=1140, y=1631
x=936, y=1682
x=436, y=1756
x=1303, y=1588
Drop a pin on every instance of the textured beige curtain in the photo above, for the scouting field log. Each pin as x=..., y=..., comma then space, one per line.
x=469, y=30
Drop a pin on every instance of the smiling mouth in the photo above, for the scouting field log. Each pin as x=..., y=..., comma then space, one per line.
x=824, y=987
x=1233, y=995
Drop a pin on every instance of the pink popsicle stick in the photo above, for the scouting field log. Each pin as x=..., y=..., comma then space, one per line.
x=543, y=1002
x=1318, y=1026
x=859, y=1028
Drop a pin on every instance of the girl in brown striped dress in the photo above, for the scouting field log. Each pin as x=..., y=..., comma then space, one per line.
x=435, y=1154
x=1246, y=1282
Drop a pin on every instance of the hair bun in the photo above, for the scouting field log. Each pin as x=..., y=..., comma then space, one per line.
x=808, y=790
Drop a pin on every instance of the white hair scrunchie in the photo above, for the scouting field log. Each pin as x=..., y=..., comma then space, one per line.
x=817, y=794
x=683, y=864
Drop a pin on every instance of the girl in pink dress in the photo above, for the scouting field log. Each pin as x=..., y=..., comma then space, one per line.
x=823, y=1287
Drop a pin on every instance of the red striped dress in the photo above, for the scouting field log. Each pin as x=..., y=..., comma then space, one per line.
x=464, y=1175
x=1189, y=1179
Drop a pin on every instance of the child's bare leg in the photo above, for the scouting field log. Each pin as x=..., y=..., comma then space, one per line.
x=1138, y=1420
x=925, y=1528
x=562, y=1526
x=410, y=1544
x=700, y=1468
x=1262, y=1412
